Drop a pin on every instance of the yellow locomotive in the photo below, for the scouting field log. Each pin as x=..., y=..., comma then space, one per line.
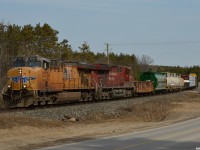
x=39, y=81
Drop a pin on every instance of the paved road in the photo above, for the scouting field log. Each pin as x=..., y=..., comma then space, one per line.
x=181, y=136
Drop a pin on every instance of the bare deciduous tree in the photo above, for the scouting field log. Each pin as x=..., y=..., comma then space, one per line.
x=144, y=62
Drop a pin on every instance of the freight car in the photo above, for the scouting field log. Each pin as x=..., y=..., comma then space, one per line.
x=164, y=82
x=144, y=87
x=159, y=80
x=39, y=81
x=174, y=82
x=190, y=80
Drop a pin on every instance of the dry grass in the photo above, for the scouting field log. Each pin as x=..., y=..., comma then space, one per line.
x=98, y=117
x=9, y=121
x=94, y=116
x=161, y=109
x=187, y=96
x=149, y=111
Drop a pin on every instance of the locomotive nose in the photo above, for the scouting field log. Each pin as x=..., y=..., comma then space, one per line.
x=18, y=79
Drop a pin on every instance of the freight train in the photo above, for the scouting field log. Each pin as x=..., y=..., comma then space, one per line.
x=39, y=81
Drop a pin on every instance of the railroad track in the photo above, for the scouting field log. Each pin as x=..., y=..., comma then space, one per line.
x=77, y=103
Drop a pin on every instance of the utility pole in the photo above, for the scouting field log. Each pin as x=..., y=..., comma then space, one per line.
x=107, y=49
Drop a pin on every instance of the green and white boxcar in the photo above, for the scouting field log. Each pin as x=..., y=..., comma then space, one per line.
x=159, y=79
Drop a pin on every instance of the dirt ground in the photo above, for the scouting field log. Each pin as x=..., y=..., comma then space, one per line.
x=23, y=133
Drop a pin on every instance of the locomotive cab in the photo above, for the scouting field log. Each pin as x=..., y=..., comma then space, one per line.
x=37, y=61
x=33, y=61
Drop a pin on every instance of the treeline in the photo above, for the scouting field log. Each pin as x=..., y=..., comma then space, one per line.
x=178, y=69
x=42, y=40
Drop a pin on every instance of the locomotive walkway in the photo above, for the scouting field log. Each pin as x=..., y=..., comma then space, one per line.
x=184, y=135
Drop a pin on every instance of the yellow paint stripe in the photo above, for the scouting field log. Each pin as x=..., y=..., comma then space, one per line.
x=159, y=138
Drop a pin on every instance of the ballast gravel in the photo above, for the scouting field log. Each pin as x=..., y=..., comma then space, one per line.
x=81, y=111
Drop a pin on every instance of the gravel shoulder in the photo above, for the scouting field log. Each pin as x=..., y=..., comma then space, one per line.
x=34, y=129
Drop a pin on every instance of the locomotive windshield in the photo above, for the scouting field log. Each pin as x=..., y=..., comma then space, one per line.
x=19, y=62
x=33, y=63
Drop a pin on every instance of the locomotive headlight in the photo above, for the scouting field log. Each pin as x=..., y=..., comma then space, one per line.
x=9, y=86
x=24, y=86
x=20, y=71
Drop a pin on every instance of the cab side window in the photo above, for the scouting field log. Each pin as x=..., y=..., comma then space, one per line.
x=45, y=65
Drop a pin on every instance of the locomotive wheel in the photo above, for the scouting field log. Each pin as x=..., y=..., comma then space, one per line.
x=87, y=96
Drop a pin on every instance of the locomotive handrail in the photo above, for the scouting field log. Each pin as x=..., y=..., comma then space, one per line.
x=95, y=84
x=2, y=92
x=75, y=83
x=34, y=89
x=5, y=87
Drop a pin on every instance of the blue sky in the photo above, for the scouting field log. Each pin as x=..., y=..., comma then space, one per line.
x=166, y=30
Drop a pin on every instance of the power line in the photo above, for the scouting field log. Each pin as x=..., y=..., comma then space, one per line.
x=156, y=43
